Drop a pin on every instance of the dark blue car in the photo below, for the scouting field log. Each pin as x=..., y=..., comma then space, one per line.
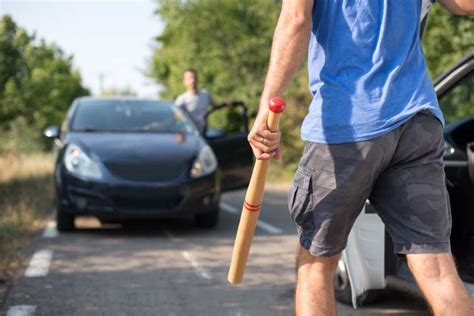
x=124, y=158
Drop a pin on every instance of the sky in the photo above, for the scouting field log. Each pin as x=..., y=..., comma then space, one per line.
x=108, y=39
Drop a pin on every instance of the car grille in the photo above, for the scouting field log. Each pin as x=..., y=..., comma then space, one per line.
x=125, y=202
x=145, y=171
x=145, y=199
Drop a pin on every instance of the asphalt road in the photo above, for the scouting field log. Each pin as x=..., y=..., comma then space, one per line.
x=170, y=267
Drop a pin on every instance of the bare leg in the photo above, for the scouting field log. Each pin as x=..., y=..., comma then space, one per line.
x=438, y=279
x=314, y=284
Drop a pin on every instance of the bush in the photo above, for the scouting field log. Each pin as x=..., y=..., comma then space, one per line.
x=19, y=137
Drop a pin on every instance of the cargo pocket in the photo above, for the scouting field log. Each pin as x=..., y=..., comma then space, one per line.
x=300, y=199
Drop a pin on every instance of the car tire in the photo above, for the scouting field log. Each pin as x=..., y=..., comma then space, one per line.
x=208, y=219
x=64, y=220
x=343, y=290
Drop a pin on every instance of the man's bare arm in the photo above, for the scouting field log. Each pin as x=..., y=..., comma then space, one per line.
x=289, y=47
x=459, y=7
x=290, y=44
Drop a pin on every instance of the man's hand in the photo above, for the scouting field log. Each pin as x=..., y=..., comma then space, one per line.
x=265, y=143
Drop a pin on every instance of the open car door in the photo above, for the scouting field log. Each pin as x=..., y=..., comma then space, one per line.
x=362, y=265
x=456, y=97
x=229, y=142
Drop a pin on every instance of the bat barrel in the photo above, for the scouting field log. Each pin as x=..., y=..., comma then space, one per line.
x=252, y=203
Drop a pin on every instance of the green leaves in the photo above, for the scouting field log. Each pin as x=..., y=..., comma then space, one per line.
x=228, y=42
x=37, y=81
x=447, y=40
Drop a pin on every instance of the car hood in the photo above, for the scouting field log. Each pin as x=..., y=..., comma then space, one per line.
x=141, y=156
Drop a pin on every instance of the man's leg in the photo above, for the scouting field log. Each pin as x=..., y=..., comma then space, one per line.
x=437, y=277
x=314, y=284
x=328, y=192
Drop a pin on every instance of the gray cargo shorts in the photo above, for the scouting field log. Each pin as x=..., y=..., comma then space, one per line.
x=401, y=173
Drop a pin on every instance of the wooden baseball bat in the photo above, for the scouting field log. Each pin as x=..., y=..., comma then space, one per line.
x=252, y=202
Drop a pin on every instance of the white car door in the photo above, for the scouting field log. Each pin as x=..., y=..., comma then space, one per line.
x=364, y=255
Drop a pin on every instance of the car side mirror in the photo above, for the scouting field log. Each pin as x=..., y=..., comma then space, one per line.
x=51, y=132
x=212, y=133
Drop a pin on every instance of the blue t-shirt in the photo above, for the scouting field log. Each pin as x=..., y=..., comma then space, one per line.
x=366, y=69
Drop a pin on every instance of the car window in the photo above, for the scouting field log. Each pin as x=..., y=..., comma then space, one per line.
x=458, y=102
x=130, y=116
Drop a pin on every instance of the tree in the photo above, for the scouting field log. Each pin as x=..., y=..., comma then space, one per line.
x=114, y=91
x=447, y=40
x=37, y=81
x=228, y=42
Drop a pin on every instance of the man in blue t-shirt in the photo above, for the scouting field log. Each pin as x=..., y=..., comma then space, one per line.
x=374, y=130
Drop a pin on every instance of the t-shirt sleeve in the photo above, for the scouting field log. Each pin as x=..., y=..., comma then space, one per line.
x=179, y=101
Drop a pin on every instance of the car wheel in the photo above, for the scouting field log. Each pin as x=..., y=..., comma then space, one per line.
x=64, y=220
x=208, y=219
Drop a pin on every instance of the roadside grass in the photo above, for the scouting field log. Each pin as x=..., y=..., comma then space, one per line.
x=279, y=173
x=26, y=194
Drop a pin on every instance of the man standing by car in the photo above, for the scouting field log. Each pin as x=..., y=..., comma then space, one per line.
x=195, y=101
x=373, y=131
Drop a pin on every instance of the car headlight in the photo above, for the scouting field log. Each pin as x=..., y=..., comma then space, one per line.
x=80, y=164
x=448, y=149
x=206, y=163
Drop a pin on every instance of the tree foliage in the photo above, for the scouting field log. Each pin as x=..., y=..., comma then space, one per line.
x=448, y=39
x=37, y=81
x=228, y=42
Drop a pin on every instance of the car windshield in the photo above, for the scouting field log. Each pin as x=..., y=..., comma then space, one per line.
x=130, y=116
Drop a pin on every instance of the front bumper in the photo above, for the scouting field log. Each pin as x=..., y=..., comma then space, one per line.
x=129, y=200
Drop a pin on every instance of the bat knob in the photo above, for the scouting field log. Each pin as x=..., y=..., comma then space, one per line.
x=277, y=105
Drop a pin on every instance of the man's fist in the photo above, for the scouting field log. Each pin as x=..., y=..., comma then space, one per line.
x=265, y=143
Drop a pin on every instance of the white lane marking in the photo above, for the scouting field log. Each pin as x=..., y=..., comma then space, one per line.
x=203, y=273
x=50, y=231
x=269, y=228
x=21, y=310
x=39, y=263
x=229, y=208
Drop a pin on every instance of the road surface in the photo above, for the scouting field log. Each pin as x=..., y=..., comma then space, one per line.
x=170, y=267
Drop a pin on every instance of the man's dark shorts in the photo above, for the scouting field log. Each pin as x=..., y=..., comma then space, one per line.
x=400, y=172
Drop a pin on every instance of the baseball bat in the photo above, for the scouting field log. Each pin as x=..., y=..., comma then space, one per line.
x=252, y=202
